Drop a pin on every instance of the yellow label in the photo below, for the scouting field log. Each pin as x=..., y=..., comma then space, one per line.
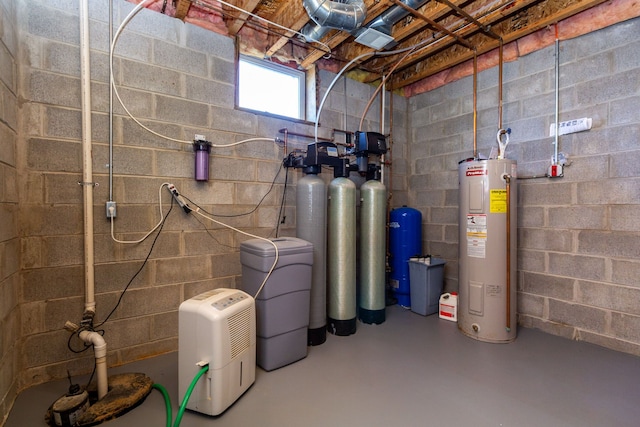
x=498, y=201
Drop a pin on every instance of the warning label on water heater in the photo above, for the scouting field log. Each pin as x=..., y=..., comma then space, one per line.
x=476, y=235
x=498, y=201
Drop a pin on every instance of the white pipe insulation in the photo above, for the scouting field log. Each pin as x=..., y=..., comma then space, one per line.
x=89, y=337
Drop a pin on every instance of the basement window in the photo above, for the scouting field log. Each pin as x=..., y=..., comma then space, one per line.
x=268, y=87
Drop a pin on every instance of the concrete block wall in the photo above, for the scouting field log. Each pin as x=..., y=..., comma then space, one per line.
x=178, y=80
x=9, y=231
x=578, y=238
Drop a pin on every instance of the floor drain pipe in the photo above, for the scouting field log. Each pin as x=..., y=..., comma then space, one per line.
x=100, y=352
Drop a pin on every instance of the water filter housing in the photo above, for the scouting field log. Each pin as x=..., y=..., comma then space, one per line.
x=217, y=328
x=487, y=250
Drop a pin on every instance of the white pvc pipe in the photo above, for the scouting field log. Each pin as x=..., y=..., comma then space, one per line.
x=87, y=167
x=100, y=352
x=99, y=344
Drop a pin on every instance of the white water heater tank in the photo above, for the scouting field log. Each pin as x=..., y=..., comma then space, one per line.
x=487, y=250
x=217, y=328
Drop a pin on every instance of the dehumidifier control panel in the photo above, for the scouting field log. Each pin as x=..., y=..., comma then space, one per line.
x=229, y=301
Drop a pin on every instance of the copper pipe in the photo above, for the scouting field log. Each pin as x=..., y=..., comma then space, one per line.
x=500, y=62
x=475, y=103
x=375, y=93
x=389, y=149
x=383, y=81
x=507, y=179
x=390, y=180
x=286, y=140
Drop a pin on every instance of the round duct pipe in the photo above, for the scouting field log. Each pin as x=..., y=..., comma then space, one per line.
x=343, y=15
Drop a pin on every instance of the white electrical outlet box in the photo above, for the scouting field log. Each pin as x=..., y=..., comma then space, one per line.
x=571, y=126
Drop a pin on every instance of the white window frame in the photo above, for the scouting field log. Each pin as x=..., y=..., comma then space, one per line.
x=299, y=78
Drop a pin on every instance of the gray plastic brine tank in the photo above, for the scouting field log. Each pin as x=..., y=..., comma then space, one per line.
x=282, y=307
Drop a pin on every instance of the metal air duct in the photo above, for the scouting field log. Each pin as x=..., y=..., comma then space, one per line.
x=346, y=15
x=376, y=34
x=386, y=20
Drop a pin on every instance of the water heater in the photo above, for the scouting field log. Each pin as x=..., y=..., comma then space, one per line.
x=217, y=328
x=487, y=249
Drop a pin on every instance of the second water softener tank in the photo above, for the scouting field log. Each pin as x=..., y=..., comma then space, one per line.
x=405, y=241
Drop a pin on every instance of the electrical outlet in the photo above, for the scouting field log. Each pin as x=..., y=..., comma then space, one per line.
x=111, y=209
x=556, y=171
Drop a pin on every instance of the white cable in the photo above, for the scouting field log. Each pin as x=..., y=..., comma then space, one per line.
x=333, y=82
x=113, y=85
x=152, y=230
x=380, y=86
x=197, y=211
x=242, y=142
x=275, y=247
x=124, y=23
x=335, y=79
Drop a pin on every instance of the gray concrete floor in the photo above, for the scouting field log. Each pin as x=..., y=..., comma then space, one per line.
x=409, y=371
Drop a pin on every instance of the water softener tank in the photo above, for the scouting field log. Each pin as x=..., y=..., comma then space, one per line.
x=405, y=241
x=487, y=250
x=373, y=220
x=341, y=257
x=311, y=225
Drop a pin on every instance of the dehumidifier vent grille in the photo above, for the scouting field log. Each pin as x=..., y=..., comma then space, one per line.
x=240, y=331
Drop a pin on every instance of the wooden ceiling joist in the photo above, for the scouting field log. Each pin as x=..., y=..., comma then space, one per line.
x=538, y=16
x=182, y=8
x=447, y=31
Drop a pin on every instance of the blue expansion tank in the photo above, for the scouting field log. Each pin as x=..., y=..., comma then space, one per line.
x=405, y=241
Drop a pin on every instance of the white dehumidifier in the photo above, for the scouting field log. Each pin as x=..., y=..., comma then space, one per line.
x=216, y=328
